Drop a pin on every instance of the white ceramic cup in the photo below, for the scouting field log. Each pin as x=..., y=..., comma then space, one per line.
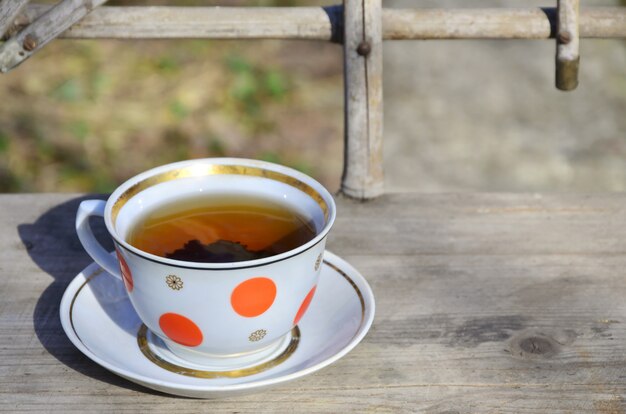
x=200, y=310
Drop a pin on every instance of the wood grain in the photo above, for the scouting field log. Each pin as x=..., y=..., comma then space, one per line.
x=486, y=303
x=9, y=10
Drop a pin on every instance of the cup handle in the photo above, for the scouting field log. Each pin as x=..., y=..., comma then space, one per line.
x=87, y=209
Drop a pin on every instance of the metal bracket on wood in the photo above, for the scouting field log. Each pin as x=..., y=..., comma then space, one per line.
x=363, y=56
x=567, y=45
x=47, y=27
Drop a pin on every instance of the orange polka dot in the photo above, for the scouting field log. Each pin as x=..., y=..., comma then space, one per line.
x=127, y=277
x=253, y=297
x=180, y=329
x=305, y=305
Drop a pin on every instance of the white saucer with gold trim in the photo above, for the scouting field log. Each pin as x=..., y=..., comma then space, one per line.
x=99, y=319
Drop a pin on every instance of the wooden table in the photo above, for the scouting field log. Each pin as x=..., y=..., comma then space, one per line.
x=485, y=303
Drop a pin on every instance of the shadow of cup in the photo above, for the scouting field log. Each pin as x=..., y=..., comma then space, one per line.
x=53, y=245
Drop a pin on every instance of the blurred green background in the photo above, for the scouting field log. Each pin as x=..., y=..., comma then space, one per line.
x=85, y=115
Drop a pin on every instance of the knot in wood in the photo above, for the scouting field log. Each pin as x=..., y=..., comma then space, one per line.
x=564, y=37
x=364, y=48
x=30, y=43
x=536, y=345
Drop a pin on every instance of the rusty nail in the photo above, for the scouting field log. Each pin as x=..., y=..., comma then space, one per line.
x=565, y=37
x=30, y=43
x=364, y=48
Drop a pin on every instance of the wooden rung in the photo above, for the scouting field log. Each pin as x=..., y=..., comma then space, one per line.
x=504, y=23
x=316, y=23
x=169, y=22
x=567, y=45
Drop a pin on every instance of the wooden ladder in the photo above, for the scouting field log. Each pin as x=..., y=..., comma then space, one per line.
x=359, y=25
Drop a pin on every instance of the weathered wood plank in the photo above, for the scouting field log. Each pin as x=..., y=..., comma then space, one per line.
x=485, y=303
x=46, y=28
x=320, y=24
x=363, y=66
x=9, y=10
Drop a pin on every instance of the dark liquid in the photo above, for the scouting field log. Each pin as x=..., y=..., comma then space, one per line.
x=221, y=229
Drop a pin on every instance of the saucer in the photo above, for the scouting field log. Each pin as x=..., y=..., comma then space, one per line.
x=99, y=319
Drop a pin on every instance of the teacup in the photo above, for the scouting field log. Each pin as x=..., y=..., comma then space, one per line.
x=222, y=315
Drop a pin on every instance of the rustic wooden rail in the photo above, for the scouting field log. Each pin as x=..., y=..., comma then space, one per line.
x=317, y=23
x=360, y=25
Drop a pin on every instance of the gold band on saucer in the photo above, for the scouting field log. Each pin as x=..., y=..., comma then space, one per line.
x=354, y=286
x=88, y=279
x=142, y=341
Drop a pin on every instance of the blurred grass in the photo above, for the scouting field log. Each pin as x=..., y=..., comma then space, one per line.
x=86, y=115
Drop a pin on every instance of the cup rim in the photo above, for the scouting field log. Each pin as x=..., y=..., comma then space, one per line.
x=133, y=183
